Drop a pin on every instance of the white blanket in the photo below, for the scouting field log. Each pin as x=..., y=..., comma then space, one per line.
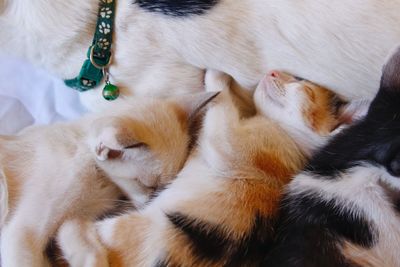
x=31, y=96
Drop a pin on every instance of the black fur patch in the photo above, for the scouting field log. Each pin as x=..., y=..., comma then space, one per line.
x=375, y=139
x=397, y=206
x=209, y=242
x=311, y=230
x=177, y=8
x=308, y=208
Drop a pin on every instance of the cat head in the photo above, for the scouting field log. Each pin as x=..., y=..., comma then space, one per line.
x=381, y=126
x=307, y=111
x=144, y=145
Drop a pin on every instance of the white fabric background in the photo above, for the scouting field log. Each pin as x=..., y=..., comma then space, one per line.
x=29, y=95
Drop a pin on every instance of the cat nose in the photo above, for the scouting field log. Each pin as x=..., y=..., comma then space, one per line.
x=394, y=166
x=282, y=76
x=274, y=74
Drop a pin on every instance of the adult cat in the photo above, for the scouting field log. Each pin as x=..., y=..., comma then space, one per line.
x=50, y=174
x=339, y=44
x=343, y=210
x=220, y=209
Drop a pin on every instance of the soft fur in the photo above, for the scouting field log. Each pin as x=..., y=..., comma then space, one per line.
x=220, y=210
x=49, y=174
x=343, y=210
x=339, y=44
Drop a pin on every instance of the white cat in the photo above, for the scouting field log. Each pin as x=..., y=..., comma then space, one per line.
x=338, y=44
x=66, y=171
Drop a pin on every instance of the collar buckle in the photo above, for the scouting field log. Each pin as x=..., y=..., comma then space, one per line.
x=99, y=60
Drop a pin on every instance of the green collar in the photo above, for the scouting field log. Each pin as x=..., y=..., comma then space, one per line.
x=98, y=55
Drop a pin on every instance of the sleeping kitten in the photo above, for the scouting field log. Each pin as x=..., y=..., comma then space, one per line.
x=343, y=209
x=220, y=209
x=53, y=173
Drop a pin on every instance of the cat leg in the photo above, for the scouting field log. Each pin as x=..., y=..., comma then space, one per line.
x=221, y=120
x=143, y=234
x=216, y=81
x=81, y=245
x=28, y=230
x=22, y=246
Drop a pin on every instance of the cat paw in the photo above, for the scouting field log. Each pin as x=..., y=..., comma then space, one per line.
x=216, y=81
x=81, y=245
x=107, y=145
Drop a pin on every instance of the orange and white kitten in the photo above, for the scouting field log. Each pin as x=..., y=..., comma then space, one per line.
x=68, y=171
x=220, y=209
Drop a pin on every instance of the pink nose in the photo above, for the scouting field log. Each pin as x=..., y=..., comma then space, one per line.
x=274, y=74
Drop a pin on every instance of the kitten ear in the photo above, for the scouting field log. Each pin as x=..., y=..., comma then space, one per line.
x=194, y=103
x=104, y=153
x=353, y=111
x=391, y=72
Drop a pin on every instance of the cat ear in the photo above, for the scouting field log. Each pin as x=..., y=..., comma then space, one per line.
x=353, y=111
x=391, y=72
x=194, y=103
x=104, y=153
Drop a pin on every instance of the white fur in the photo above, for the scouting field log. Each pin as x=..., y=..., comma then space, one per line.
x=216, y=81
x=3, y=198
x=70, y=231
x=51, y=174
x=360, y=190
x=339, y=44
x=283, y=102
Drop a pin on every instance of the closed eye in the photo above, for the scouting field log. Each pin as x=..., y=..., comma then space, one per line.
x=337, y=104
x=136, y=145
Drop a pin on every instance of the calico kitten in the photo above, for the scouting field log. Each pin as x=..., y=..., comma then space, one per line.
x=67, y=171
x=343, y=209
x=220, y=209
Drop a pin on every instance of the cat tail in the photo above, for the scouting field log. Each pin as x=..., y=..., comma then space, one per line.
x=3, y=198
x=221, y=120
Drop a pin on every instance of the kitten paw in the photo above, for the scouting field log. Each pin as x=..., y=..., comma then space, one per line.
x=107, y=145
x=103, y=152
x=216, y=81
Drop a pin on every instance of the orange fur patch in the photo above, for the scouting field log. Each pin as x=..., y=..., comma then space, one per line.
x=272, y=165
x=319, y=110
x=130, y=233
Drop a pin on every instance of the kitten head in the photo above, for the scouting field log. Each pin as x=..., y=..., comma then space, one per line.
x=307, y=111
x=381, y=126
x=143, y=146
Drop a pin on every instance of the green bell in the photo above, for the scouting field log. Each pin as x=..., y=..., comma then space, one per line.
x=110, y=92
